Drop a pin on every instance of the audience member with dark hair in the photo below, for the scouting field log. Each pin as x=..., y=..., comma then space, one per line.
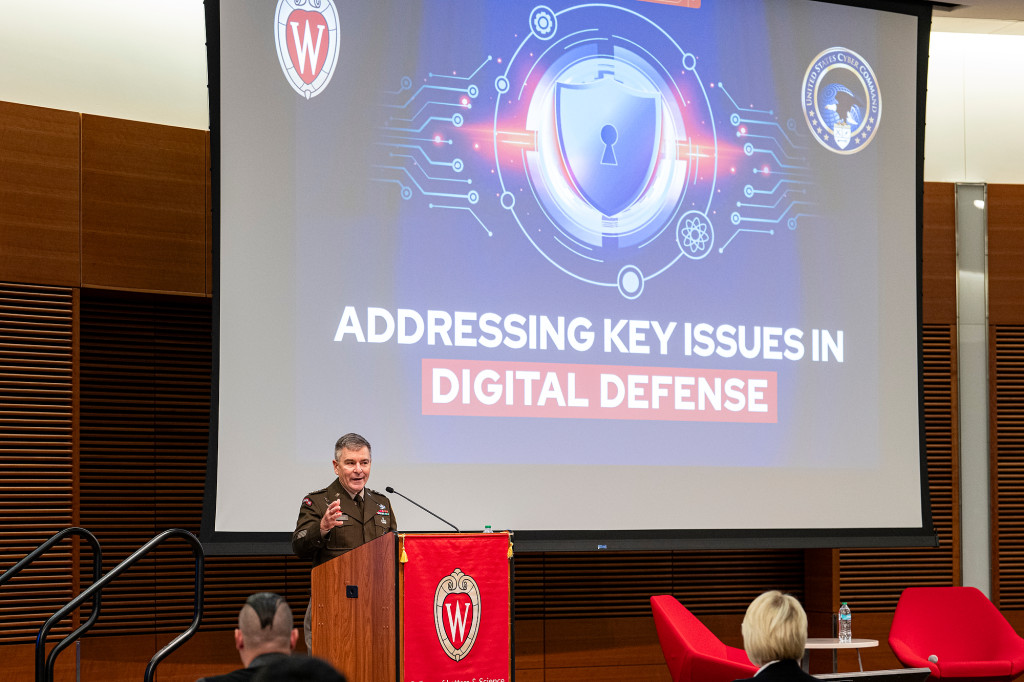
x=265, y=635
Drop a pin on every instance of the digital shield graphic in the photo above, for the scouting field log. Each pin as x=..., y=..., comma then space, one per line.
x=607, y=142
x=609, y=136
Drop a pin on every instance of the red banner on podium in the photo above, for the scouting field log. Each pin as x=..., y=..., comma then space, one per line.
x=456, y=607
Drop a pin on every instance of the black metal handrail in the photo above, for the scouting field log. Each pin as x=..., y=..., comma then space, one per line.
x=97, y=587
x=97, y=566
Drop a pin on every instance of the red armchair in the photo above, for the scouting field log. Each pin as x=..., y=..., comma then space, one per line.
x=691, y=651
x=961, y=629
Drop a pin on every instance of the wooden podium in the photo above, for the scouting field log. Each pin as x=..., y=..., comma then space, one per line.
x=355, y=611
x=421, y=607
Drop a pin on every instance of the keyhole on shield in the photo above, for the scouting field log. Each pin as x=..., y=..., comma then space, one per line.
x=608, y=136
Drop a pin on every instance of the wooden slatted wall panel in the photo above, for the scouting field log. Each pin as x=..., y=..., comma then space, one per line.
x=726, y=582
x=873, y=579
x=36, y=475
x=181, y=387
x=615, y=584
x=230, y=581
x=146, y=363
x=1006, y=391
x=118, y=453
x=1008, y=449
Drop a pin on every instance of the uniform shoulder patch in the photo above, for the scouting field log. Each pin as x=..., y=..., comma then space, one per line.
x=306, y=501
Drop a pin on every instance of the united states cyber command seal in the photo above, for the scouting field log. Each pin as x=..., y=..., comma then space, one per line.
x=841, y=100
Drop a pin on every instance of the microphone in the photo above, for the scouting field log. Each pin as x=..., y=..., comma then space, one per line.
x=395, y=492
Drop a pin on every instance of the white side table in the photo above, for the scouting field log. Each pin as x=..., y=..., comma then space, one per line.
x=834, y=644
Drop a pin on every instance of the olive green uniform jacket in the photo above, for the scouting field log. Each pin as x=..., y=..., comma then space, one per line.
x=375, y=519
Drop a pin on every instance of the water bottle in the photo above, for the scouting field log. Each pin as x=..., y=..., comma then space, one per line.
x=487, y=529
x=845, y=624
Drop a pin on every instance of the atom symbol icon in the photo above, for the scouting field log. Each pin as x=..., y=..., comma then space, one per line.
x=696, y=235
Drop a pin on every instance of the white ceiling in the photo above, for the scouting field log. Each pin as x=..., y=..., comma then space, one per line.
x=1005, y=17
x=986, y=9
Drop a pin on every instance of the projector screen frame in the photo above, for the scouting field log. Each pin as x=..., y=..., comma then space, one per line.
x=236, y=543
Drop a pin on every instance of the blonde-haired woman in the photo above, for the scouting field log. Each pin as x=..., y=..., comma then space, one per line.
x=774, y=634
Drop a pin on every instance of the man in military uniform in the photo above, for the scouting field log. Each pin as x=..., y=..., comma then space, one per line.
x=343, y=515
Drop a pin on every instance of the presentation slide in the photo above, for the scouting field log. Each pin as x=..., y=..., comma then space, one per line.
x=575, y=269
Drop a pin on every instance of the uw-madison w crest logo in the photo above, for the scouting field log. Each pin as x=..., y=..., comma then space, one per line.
x=306, y=33
x=457, y=613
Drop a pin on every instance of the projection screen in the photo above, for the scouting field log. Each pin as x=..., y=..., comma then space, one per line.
x=625, y=274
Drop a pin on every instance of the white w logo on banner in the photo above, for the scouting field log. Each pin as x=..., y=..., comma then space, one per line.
x=457, y=625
